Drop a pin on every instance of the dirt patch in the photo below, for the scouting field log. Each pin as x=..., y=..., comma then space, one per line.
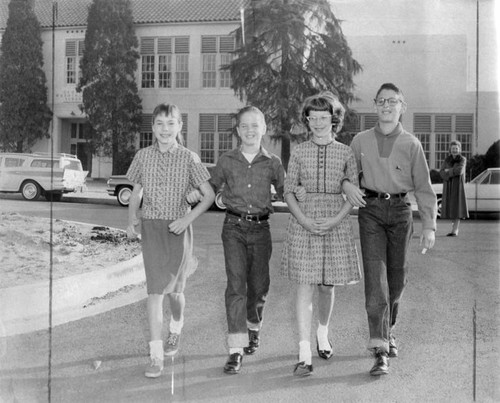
x=26, y=253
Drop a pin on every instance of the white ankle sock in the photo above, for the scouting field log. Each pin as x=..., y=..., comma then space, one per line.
x=305, y=352
x=322, y=334
x=156, y=349
x=233, y=350
x=176, y=326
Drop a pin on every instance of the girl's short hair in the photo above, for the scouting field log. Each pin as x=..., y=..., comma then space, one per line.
x=324, y=101
x=168, y=110
x=456, y=143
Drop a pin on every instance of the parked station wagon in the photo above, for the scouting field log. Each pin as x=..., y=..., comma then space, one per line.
x=38, y=174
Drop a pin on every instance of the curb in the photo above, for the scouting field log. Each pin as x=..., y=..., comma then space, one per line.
x=25, y=308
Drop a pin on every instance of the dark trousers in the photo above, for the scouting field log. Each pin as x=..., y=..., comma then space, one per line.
x=247, y=252
x=386, y=228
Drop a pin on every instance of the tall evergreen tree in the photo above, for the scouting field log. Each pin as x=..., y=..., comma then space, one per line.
x=110, y=96
x=292, y=49
x=24, y=114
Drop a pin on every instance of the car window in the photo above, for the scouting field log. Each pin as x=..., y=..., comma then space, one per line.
x=13, y=162
x=495, y=178
x=44, y=163
x=72, y=164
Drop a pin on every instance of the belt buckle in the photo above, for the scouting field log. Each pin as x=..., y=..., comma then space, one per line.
x=387, y=196
x=249, y=217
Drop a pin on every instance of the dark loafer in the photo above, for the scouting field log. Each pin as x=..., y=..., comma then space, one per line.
x=393, y=347
x=381, y=366
x=325, y=354
x=302, y=369
x=233, y=364
x=451, y=234
x=253, y=342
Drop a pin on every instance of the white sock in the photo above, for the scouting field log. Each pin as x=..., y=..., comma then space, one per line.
x=305, y=352
x=176, y=326
x=156, y=349
x=233, y=350
x=322, y=335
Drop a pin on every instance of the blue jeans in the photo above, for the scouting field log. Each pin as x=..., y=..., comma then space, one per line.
x=385, y=228
x=247, y=252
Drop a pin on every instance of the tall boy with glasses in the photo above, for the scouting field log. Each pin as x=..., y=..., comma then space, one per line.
x=391, y=163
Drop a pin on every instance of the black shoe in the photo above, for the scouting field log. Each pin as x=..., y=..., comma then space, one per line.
x=233, y=364
x=451, y=234
x=253, y=342
x=325, y=354
x=302, y=369
x=393, y=347
x=381, y=366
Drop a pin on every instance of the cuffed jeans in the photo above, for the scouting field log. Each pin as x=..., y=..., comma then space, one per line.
x=386, y=228
x=247, y=252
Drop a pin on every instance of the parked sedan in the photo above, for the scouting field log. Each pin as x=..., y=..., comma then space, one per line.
x=483, y=192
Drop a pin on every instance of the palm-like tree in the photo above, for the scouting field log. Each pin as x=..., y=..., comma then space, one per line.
x=290, y=49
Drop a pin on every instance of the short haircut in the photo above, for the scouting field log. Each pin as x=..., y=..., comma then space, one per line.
x=249, y=109
x=456, y=143
x=392, y=87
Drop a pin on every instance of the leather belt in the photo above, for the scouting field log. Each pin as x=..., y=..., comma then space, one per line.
x=249, y=217
x=383, y=195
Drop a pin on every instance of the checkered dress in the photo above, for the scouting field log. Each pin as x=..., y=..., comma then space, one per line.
x=312, y=259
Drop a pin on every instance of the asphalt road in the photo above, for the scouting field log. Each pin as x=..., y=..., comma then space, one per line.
x=444, y=356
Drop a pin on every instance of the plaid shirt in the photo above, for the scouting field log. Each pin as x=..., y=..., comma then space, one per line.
x=166, y=178
x=246, y=186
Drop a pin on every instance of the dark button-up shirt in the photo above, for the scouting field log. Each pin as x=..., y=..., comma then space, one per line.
x=246, y=186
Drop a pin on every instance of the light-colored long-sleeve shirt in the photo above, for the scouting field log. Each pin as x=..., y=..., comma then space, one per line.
x=395, y=163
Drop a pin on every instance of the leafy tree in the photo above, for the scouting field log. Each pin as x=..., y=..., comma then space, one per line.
x=292, y=49
x=24, y=114
x=110, y=96
x=492, y=156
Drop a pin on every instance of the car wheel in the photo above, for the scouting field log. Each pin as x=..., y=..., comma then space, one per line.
x=53, y=196
x=31, y=190
x=439, y=206
x=123, y=196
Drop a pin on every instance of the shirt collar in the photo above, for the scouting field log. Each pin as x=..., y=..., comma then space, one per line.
x=262, y=151
x=171, y=150
x=397, y=131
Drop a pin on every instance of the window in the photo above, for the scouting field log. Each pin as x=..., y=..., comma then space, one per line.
x=216, y=136
x=216, y=52
x=44, y=164
x=146, y=134
x=74, y=52
x=363, y=121
x=164, y=62
x=439, y=130
x=13, y=162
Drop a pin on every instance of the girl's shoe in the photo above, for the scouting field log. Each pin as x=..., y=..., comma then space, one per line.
x=325, y=354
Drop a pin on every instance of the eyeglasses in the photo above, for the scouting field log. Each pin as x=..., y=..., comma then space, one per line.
x=319, y=119
x=390, y=101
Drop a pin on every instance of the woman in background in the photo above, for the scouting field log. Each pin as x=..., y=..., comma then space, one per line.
x=454, y=204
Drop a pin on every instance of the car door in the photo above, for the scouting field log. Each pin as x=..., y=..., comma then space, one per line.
x=483, y=193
